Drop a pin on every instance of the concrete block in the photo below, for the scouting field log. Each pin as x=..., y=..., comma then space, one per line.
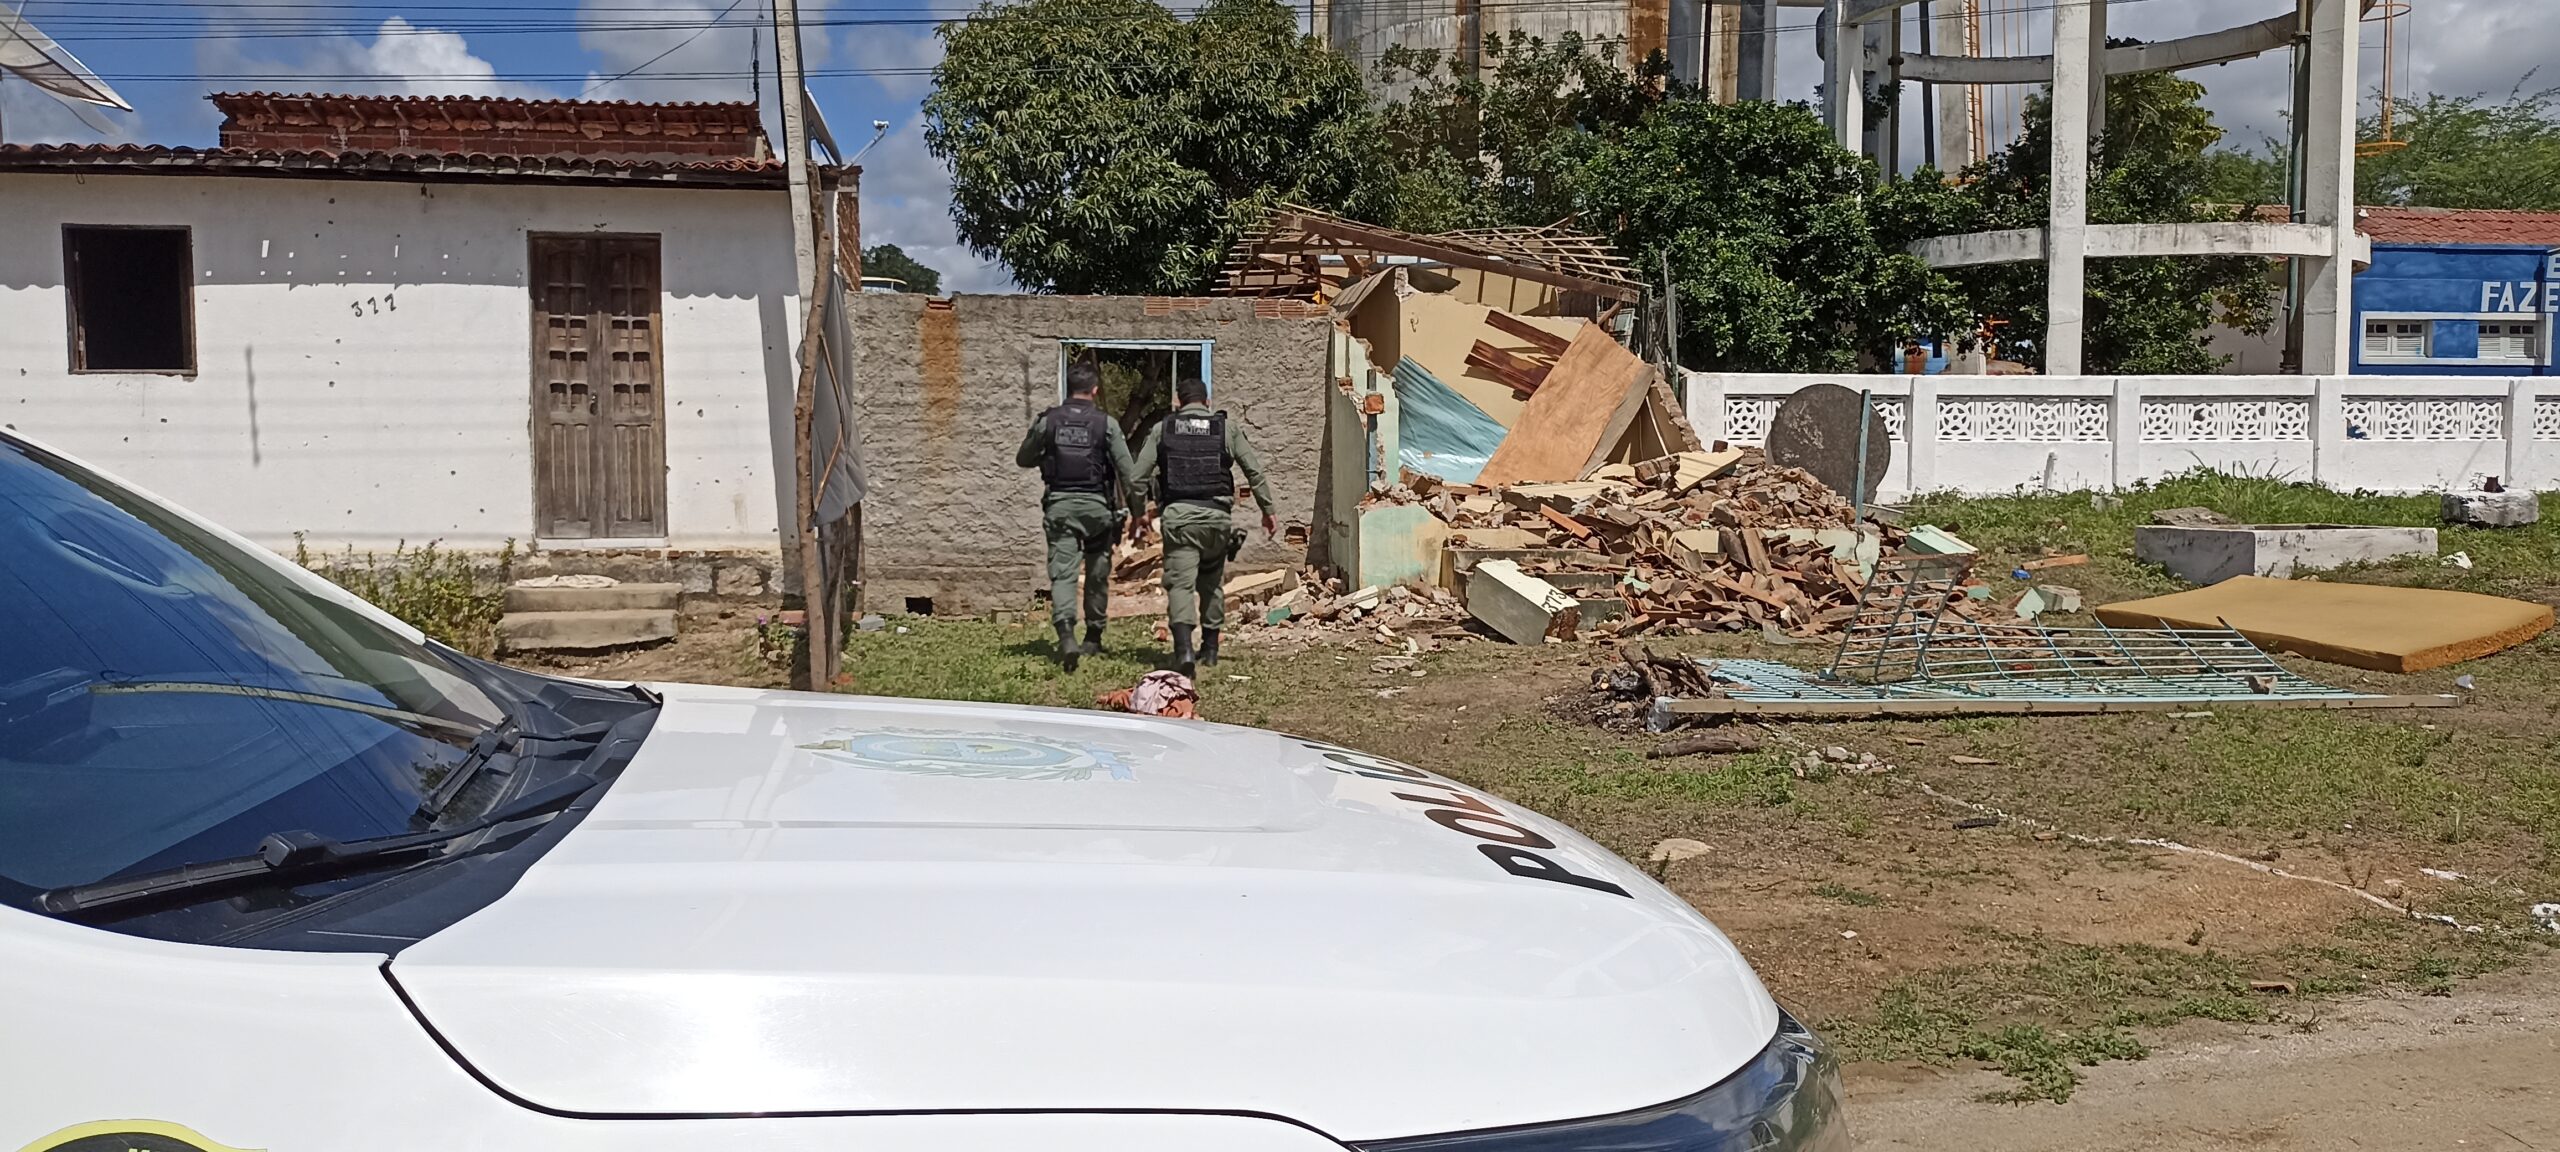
x=1931, y=540
x=1522, y=607
x=1399, y=542
x=584, y=631
x=611, y=597
x=2492, y=509
x=2213, y=555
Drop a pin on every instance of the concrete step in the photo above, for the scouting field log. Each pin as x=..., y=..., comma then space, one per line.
x=584, y=631
x=524, y=598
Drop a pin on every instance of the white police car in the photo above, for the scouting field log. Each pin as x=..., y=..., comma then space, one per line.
x=280, y=874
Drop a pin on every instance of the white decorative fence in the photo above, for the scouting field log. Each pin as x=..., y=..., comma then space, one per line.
x=1985, y=434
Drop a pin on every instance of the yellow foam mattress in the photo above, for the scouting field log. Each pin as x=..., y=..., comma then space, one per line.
x=2358, y=625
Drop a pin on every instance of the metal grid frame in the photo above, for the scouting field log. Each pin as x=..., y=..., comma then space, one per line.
x=1905, y=644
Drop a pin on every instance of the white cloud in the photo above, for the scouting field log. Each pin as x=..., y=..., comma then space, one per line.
x=911, y=52
x=906, y=201
x=401, y=59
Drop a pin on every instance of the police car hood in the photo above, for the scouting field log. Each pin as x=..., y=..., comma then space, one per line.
x=813, y=904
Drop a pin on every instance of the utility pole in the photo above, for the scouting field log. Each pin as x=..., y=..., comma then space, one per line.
x=795, y=144
x=800, y=542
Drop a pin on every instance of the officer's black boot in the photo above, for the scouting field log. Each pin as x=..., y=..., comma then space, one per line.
x=1093, y=639
x=1067, y=650
x=1182, y=648
x=1208, y=647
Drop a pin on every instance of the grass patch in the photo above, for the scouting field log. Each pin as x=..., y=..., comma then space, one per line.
x=2513, y=561
x=2040, y=1010
x=445, y=594
x=1847, y=895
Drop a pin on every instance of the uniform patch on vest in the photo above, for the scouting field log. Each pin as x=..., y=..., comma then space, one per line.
x=1075, y=436
x=1191, y=425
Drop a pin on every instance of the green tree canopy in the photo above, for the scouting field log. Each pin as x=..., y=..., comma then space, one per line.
x=1765, y=222
x=2146, y=315
x=1485, y=146
x=1107, y=146
x=2465, y=152
x=891, y=261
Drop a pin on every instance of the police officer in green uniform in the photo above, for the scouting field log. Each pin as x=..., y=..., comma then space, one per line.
x=1087, y=479
x=1187, y=461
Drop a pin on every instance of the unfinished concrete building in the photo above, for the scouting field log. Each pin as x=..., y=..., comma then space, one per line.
x=2320, y=239
x=948, y=386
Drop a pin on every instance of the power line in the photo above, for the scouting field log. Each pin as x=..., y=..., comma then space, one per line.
x=724, y=14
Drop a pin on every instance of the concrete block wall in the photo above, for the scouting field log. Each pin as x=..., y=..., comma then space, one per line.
x=1991, y=434
x=945, y=389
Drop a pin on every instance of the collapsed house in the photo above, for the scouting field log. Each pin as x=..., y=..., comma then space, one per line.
x=946, y=388
x=1360, y=360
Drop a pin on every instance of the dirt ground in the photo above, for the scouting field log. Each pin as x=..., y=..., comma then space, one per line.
x=2477, y=1069
x=2039, y=956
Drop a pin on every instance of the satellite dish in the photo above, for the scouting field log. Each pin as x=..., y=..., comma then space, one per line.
x=32, y=56
x=1817, y=430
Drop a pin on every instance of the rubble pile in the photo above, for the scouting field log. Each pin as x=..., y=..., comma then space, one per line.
x=1693, y=542
x=1687, y=543
x=1416, y=615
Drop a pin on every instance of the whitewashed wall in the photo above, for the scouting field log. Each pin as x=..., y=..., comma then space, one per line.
x=1986, y=434
x=364, y=352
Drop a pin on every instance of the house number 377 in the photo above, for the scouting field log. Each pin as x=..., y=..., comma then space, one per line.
x=373, y=305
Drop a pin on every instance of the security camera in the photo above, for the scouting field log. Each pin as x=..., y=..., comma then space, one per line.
x=879, y=125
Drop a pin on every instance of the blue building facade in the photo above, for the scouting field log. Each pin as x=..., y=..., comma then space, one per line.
x=2447, y=309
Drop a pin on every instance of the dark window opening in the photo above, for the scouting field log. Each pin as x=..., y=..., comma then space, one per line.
x=132, y=298
x=1137, y=379
x=919, y=605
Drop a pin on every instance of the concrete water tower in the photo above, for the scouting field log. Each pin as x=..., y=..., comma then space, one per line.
x=1458, y=29
x=2321, y=239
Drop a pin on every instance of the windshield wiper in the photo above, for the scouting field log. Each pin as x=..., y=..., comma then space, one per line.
x=415, y=720
x=300, y=852
x=485, y=747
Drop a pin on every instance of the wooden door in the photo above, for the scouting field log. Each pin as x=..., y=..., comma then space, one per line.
x=599, y=436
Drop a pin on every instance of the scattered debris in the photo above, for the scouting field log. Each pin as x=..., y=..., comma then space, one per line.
x=2045, y=598
x=1163, y=693
x=2278, y=987
x=2442, y=874
x=2547, y=915
x=1972, y=822
x=2492, y=507
x=1973, y=761
x=1676, y=849
x=1700, y=743
x=2192, y=518
x=2053, y=562
x=2460, y=560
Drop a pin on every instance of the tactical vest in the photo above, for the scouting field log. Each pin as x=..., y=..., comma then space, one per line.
x=1192, y=458
x=1079, y=455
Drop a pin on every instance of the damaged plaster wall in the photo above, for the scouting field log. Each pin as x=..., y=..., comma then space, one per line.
x=946, y=389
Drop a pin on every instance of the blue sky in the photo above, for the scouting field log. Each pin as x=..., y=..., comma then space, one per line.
x=869, y=61
x=164, y=55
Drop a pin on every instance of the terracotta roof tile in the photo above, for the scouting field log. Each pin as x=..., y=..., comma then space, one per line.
x=2459, y=226
x=393, y=164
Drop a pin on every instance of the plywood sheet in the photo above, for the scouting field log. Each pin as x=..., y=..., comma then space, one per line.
x=2358, y=625
x=1583, y=407
x=1437, y=329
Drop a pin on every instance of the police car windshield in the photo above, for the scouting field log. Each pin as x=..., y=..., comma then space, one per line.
x=166, y=696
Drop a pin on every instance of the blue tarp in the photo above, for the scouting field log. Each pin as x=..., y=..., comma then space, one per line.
x=1439, y=432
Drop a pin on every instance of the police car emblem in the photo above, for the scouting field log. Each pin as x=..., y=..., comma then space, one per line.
x=127, y=1136
x=979, y=755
